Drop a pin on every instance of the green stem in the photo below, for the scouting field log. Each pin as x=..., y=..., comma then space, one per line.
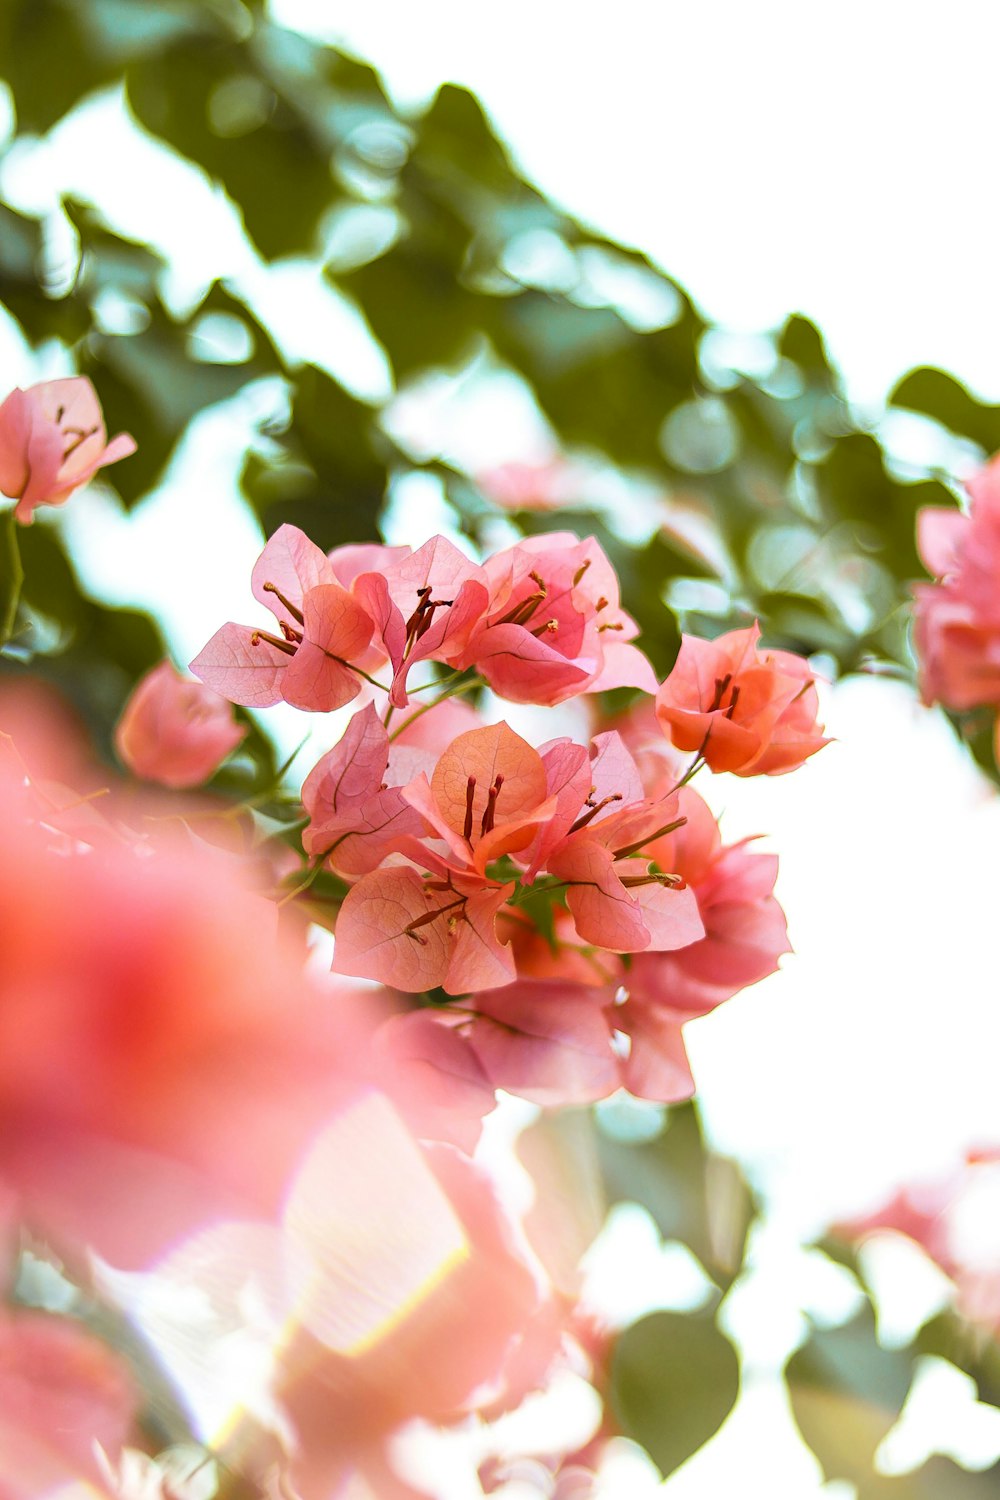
x=11, y=577
x=692, y=770
x=453, y=692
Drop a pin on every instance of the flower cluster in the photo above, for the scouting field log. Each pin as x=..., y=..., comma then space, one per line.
x=288, y=1156
x=957, y=620
x=560, y=911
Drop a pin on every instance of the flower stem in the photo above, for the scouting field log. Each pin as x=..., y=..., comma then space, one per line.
x=452, y=692
x=11, y=576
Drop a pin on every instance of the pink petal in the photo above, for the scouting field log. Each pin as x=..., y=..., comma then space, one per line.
x=242, y=672
x=294, y=565
x=657, y=1066
x=522, y=668
x=372, y=941
x=351, y=772
x=602, y=908
x=548, y=1043
x=482, y=755
x=368, y=1230
x=479, y=960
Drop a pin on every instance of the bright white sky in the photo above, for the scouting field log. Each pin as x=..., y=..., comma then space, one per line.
x=774, y=157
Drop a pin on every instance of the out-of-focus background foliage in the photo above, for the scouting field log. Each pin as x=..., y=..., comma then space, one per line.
x=724, y=488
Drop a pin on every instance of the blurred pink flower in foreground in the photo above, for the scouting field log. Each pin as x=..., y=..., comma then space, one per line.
x=957, y=625
x=531, y=486
x=956, y=1220
x=52, y=440
x=175, y=731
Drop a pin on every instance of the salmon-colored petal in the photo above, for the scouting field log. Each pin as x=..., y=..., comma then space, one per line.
x=294, y=565
x=242, y=669
x=376, y=937
x=466, y=773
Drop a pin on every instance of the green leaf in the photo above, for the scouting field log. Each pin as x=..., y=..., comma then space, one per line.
x=933, y=393
x=263, y=116
x=329, y=480
x=151, y=386
x=846, y=1393
x=968, y=1347
x=802, y=343
x=693, y=1195
x=674, y=1380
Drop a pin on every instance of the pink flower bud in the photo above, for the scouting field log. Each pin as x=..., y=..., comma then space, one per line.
x=52, y=440
x=174, y=731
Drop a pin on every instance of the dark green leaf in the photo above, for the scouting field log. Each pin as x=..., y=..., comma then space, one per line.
x=692, y=1195
x=674, y=1380
x=935, y=394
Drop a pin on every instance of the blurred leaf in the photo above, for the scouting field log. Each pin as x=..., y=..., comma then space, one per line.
x=48, y=56
x=41, y=316
x=977, y=732
x=559, y=1153
x=856, y=487
x=693, y=1195
x=846, y=1393
x=109, y=259
x=11, y=574
x=674, y=1380
x=151, y=387
x=968, y=1347
x=933, y=393
x=802, y=343
x=260, y=116
x=93, y=653
x=329, y=480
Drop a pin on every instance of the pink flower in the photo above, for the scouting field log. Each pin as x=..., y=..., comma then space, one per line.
x=324, y=631
x=486, y=798
x=535, y=486
x=356, y=818
x=391, y=1285
x=61, y=1393
x=554, y=625
x=745, y=711
x=745, y=932
x=957, y=623
x=174, y=731
x=424, y=604
x=616, y=900
x=52, y=440
x=165, y=1060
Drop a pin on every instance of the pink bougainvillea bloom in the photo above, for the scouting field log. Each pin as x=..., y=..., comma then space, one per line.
x=324, y=631
x=62, y=1393
x=166, y=1060
x=425, y=605
x=531, y=486
x=745, y=930
x=954, y=1219
x=417, y=934
x=486, y=798
x=743, y=710
x=554, y=625
x=394, y=1285
x=957, y=622
x=175, y=731
x=52, y=440
x=546, y=1042
x=617, y=901
x=356, y=818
